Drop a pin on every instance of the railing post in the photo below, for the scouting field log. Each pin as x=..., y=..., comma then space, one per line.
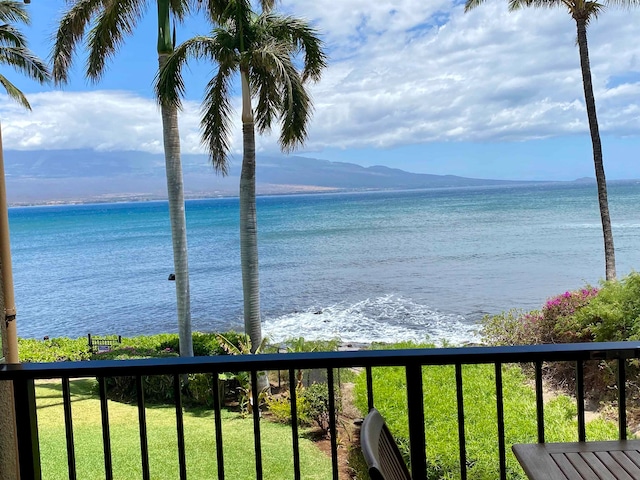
x=24, y=394
x=622, y=399
x=539, y=402
x=415, y=405
x=580, y=400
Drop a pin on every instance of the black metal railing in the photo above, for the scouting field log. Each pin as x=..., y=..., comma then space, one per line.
x=23, y=377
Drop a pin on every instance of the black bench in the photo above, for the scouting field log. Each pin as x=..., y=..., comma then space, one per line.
x=102, y=344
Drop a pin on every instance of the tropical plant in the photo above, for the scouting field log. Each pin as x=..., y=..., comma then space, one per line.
x=109, y=22
x=262, y=49
x=583, y=11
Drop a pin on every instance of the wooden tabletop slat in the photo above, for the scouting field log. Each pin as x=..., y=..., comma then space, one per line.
x=615, y=460
x=605, y=466
x=583, y=468
x=622, y=459
x=634, y=456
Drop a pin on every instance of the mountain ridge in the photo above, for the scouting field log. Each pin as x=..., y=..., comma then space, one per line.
x=63, y=176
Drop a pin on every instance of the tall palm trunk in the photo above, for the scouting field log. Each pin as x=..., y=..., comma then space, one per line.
x=249, y=222
x=175, y=192
x=609, y=254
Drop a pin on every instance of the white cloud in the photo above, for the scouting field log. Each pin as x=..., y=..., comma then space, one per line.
x=400, y=72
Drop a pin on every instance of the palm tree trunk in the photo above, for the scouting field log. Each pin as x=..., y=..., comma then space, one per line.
x=249, y=229
x=249, y=238
x=249, y=223
x=175, y=191
x=609, y=254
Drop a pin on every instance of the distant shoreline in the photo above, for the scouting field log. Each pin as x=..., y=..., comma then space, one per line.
x=295, y=190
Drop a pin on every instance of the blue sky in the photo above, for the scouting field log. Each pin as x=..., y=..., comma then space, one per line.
x=411, y=84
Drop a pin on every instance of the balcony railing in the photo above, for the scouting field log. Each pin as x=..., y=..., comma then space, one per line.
x=23, y=377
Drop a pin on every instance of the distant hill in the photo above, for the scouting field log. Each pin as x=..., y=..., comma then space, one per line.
x=50, y=176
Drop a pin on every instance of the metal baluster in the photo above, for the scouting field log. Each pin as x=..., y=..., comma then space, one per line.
x=369, y=387
x=294, y=423
x=539, y=402
x=461, y=434
x=142, y=424
x=68, y=427
x=580, y=400
x=415, y=405
x=177, y=396
x=217, y=409
x=106, y=438
x=500, y=415
x=622, y=399
x=256, y=423
x=333, y=431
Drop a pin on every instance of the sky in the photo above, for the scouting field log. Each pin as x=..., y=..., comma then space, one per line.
x=411, y=84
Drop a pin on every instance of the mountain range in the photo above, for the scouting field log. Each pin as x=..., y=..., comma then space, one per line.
x=67, y=176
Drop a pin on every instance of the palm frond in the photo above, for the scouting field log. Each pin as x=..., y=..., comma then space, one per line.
x=267, y=5
x=13, y=12
x=267, y=74
x=215, y=122
x=180, y=9
x=296, y=111
x=11, y=36
x=25, y=62
x=471, y=4
x=14, y=92
x=115, y=21
x=71, y=30
x=302, y=37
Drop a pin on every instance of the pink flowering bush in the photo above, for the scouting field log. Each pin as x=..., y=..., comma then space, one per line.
x=608, y=313
x=552, y=324
x=557, y=324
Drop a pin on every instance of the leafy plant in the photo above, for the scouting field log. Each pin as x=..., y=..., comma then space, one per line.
x=316, y=397
x=280, y=408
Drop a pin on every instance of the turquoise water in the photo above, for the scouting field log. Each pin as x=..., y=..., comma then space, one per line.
x=360, y=266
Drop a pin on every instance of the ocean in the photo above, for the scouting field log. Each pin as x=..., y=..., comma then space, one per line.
x=361, y=267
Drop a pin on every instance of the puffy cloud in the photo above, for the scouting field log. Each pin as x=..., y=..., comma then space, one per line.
x=400, y=72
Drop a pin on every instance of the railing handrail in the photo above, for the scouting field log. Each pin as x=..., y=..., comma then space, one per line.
x=309, y=360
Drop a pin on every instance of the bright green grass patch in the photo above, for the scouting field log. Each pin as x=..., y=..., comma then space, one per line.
x=162, y=439
x=481, y=431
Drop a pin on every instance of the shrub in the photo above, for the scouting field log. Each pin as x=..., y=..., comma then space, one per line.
x=205, y=344
x=280, y=408
x=553, y=324
x=316, y=399
x=53, y=350
x=157, y=388
x=614, y=315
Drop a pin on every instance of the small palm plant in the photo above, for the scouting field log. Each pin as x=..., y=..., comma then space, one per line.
x=243, y=347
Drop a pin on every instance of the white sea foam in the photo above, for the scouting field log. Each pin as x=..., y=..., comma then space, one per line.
x=385, y=319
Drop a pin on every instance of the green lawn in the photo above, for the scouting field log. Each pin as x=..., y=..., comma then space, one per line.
x=162, y=439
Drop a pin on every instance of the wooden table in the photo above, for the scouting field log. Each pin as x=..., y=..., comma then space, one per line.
x=619, y=460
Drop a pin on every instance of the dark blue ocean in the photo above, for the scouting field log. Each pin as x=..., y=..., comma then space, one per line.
x=359, y=266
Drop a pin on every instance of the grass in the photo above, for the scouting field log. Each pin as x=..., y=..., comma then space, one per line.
x=161, y=432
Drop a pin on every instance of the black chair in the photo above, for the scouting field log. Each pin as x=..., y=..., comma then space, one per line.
x=380, y=451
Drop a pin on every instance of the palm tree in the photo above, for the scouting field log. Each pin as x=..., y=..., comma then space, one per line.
x=109, y=23
x=15, y=53
x=583, y=11
x=262, y=49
